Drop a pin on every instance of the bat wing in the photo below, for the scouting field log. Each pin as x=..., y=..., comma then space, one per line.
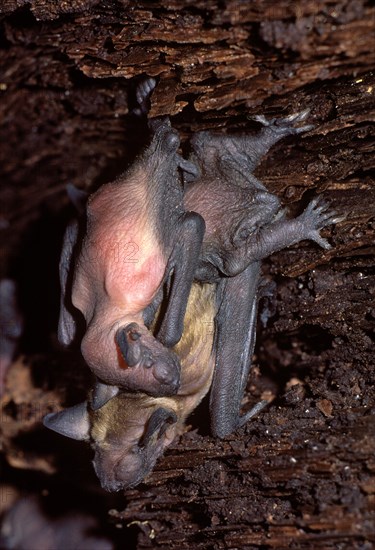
x=182, y=265
x=234, y=343
x=67, y=325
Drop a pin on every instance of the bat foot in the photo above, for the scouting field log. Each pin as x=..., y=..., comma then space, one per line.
x=143, y=93
x=286, y=126
x=316, y=216
x=229, y=423
x=152, y=368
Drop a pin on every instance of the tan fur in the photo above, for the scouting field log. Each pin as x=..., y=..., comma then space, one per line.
x=118, y=426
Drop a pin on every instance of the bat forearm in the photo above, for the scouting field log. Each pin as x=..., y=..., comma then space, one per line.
x=265, y=242
x=275, y=237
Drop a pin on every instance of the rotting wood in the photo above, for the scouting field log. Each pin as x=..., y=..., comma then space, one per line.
x=303, y=471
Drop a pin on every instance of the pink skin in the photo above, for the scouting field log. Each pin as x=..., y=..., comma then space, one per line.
x=118, y=273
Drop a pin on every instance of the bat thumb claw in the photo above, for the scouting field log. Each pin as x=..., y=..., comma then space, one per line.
x=127, y=339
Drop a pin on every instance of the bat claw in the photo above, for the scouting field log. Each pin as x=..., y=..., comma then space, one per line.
x=322, y=242
x=302, y=129
x=144, y=89
x=142, y=95
x=286, y=125
x=297, y=117
x=262, y=119
x=254, y=411
x=316, y=216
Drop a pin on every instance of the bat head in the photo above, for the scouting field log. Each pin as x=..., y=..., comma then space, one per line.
x=126, y=452
x=128, y=434
x=129, y=356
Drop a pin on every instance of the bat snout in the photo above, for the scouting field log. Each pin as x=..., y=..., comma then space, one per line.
x=127, y=462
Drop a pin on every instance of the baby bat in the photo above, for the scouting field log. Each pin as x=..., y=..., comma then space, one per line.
x=137, y=234
x=244, y=224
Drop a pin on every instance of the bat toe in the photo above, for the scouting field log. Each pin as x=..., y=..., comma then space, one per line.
x=168, y=375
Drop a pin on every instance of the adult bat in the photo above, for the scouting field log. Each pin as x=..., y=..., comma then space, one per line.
x=244, y=224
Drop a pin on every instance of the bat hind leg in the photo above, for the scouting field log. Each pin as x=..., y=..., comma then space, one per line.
x=151, y=367
x=235, y=339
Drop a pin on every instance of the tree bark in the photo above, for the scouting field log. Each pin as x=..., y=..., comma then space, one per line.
x=301, y=475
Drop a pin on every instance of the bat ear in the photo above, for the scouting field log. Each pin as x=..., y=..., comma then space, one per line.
x=73, y=422
x=77, y=197
x=158, y=422
x=102, y=393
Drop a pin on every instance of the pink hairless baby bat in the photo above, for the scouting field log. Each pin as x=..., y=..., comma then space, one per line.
x=244, y=223
x=137, y=235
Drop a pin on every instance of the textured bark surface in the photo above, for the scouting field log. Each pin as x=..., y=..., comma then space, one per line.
x=301, y=475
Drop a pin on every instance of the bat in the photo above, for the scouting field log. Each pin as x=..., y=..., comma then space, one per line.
x=137, y=235
x=131, y=430
x=244, y=223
